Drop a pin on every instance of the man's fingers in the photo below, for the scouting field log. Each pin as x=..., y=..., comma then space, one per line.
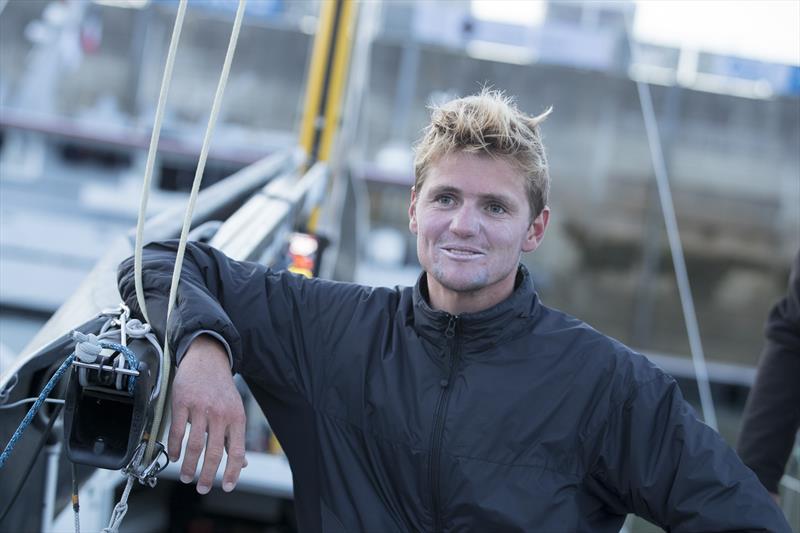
x=236, y=458
x=205, y=395
x=194, y=446
x=180, y=415
x=213, y=456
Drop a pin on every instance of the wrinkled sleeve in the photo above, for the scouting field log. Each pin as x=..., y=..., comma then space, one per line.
x=772, y=414
x=278, y=326
x=656, y=460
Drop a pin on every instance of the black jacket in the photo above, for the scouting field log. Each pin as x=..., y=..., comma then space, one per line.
x=772, y=414
x=397, y=417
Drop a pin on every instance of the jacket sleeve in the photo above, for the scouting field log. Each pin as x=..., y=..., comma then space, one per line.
x=772, y=413
x=279, y=326
x=656, y=460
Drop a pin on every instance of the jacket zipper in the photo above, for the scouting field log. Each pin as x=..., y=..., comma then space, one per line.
x=440, y=414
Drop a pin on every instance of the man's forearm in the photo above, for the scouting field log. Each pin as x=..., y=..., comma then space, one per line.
x=197, y=310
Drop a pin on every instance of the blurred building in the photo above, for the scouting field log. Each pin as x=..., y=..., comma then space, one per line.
x=730, y=129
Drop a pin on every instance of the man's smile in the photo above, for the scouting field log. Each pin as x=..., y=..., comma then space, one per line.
x=461, y=252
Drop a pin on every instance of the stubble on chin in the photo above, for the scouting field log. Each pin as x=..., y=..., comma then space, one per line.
x=457, y=283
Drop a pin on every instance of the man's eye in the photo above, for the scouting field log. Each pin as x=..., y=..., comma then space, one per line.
x=444, y=200
x=497, y=209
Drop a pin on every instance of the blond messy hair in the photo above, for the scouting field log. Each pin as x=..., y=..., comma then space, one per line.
x=490, y=123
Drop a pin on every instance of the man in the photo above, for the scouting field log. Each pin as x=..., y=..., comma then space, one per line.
x=772, y=414
x=461, y=404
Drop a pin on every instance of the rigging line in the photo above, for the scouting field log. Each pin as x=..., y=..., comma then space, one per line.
x=120, y=509
x=198, y=178
x=35, y=409
x=76, y=507
x=151, y=156
x=673, y=235
x=29, y=400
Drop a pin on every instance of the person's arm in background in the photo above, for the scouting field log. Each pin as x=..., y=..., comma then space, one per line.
x=772, y=414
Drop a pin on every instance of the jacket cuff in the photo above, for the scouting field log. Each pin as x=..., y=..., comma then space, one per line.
x=184, y=344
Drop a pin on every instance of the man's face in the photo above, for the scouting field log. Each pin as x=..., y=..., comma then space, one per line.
x=472, y=221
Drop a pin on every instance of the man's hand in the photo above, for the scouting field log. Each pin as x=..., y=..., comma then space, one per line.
x=204, y=395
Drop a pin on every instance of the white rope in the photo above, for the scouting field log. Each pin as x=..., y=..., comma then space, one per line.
x=128, y=329
x=76, y=507
x=673, y=235
x=124, y=314
x=137, y=330
x=30, y=400
x=176, y=274
x=120, y=509
x=151, y=156
x=87, y=350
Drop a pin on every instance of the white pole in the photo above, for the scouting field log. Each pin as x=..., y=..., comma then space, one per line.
x=53, y=454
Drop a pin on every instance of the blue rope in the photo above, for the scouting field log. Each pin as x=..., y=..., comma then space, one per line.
x=129, y=355
x=34, y=409
x=132, y=363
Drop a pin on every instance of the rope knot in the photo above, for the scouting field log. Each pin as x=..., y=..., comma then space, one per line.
x=136, y=329
x=87, y=346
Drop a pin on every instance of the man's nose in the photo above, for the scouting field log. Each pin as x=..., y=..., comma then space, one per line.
x=465, y=222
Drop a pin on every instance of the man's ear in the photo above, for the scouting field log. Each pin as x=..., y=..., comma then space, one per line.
x=412, y=212
x=536, y=231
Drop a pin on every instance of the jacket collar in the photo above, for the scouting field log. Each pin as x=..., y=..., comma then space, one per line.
x=478, y=331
